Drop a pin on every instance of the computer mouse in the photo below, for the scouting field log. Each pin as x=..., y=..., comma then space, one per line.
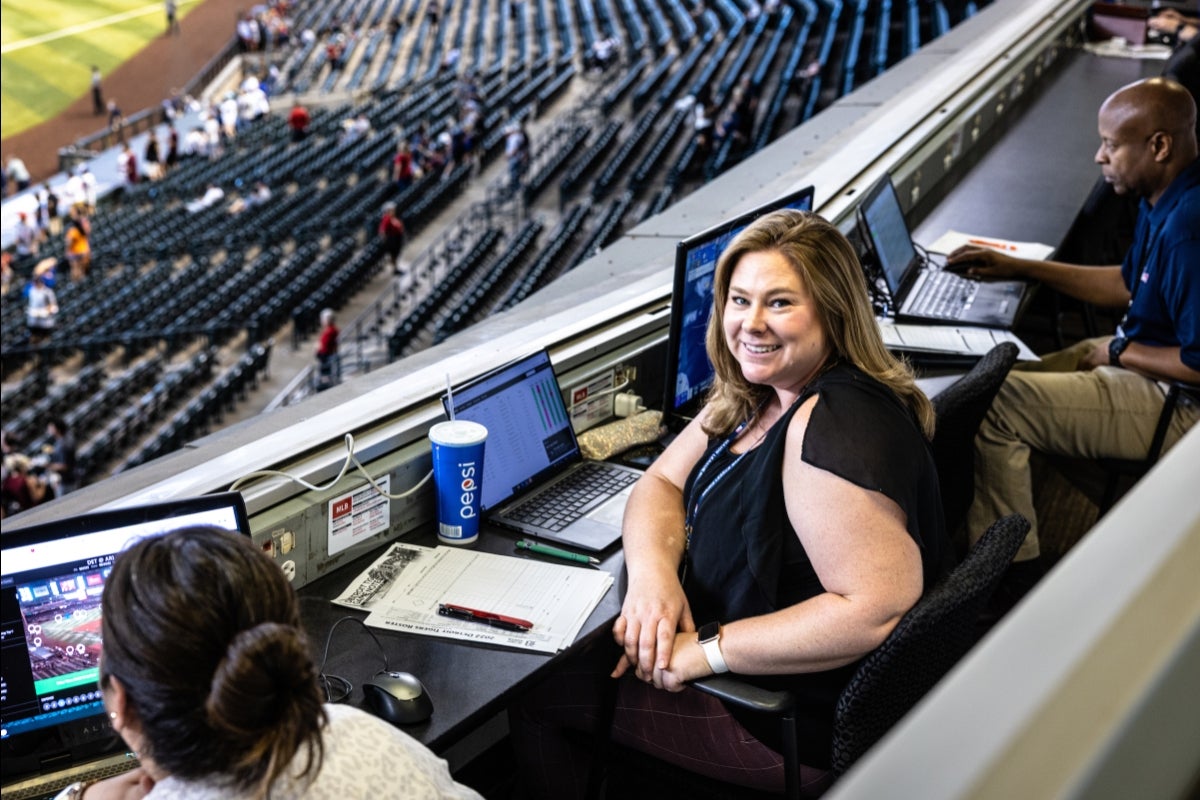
x=398, y=697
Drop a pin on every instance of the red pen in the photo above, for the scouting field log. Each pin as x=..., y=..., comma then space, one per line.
x=993, y=245
x=485, y=617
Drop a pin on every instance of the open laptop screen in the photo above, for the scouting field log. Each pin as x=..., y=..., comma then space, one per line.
x=529, y=432
x=51, y=579
x=882, y=224
x=689, y=373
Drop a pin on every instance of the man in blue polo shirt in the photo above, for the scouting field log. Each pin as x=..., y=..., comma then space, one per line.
x=1101, y=398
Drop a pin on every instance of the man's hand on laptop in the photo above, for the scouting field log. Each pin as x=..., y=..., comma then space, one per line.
x=984, y=262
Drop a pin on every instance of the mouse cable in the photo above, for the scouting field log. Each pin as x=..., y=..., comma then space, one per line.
x=932, y=259
x=344, y=687
x=350, y=459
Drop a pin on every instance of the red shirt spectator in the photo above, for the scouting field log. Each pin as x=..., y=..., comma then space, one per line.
x=298, y=121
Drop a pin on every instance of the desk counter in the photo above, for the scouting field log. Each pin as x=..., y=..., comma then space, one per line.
x=468, y=683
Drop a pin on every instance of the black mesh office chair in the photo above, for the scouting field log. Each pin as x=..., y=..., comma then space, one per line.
x=927, y=642
x=960, y=410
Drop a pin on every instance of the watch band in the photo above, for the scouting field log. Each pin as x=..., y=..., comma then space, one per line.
x=1116, y=346
x=710, y=642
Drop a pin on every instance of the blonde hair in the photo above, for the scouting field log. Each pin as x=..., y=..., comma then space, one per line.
x=828, y=266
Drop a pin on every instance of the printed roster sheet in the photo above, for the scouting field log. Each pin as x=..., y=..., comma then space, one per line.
x=403, y=588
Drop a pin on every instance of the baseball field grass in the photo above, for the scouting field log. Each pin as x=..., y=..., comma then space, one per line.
x=48, y=47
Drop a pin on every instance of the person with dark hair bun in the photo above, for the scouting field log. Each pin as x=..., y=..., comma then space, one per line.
x=207, y=675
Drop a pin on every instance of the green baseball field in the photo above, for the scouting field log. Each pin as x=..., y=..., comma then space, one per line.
x=48, y=47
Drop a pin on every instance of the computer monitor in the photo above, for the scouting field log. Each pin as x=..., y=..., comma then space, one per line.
x=51, y=579
x=888, y=239
x=689, y=374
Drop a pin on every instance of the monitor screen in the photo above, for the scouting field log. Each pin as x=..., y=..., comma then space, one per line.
x=51, y=579
x=881, y=222
x=689, y=373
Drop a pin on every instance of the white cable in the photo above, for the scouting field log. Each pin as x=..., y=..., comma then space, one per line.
x=600, y=393
x=350, y=458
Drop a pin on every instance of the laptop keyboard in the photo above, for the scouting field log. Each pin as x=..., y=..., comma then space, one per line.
x=47, y=786
x=570, y=498
x=944, y=295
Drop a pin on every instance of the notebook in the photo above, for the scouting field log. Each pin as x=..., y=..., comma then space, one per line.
x=53, y=727
x=534, y=477
x=919, y=292
x=689, y=373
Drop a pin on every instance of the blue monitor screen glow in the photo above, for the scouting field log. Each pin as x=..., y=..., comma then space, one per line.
x=52, y=577
x=689, y=373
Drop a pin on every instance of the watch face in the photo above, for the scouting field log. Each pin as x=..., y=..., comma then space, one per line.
x=709, y=631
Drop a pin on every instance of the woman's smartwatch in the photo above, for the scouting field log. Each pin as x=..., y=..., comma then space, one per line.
x=710, y=642
x=1116, y=346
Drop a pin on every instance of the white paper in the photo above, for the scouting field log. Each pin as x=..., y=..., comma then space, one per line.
x=950, y=241
x=556, y=598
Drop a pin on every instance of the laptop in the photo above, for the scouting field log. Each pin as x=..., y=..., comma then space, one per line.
x=919, y=292
x=535, y=479
x=689, y=374
x=53, y=727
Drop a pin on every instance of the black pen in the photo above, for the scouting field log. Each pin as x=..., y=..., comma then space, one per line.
x=501, y=621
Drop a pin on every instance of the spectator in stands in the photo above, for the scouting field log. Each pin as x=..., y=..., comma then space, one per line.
x=433, y=13
x=603, y=54
x=27, y=237
x=195, y=143
x=128, y=165
x=702, y=124
x=329, y=361
x=17, y=173
x=62, y=456
x=114, y=115
x=77, y=243
x=154, y=168
x=298, y=121
x=228, y=112
x=87, y=182
x=248, y=33
x=22, y=488
x=252, y=101
x=97, y=93
x=41, y=310
x=391, y=230
x=516, y=151
x=212, y=133
x=1101, y=398
x=53, y=218
x=208, y=676
x=260, y=194
x=172, y=147
x=355, y=128
x=402, y=166
x=213, y=194
x=7, y=275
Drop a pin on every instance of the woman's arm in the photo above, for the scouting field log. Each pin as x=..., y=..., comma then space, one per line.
x=654, y=539
x=866, y=560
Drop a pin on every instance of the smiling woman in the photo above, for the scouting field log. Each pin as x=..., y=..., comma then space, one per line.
x=49, y=48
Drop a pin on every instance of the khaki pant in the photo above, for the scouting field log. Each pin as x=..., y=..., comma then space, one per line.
x=1052, y=407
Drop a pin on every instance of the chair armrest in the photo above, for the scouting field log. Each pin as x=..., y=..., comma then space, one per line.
x=746, y=695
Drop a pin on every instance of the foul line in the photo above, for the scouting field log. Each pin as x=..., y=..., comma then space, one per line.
x=84, y=27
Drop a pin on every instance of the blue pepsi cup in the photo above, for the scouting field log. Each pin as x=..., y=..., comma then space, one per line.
x=458, y=474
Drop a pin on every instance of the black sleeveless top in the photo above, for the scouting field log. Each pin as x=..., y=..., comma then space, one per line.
x=745, y=559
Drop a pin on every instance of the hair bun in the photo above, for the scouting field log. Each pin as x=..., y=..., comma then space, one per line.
x=266, y=679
